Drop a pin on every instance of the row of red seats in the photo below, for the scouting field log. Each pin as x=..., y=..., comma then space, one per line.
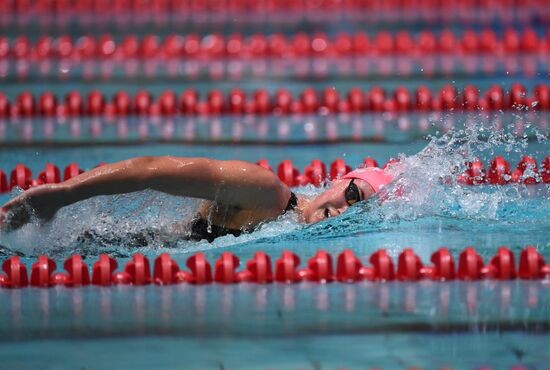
x=260, y=101
x=316, y=173
x=275, y=45
x=259, y=269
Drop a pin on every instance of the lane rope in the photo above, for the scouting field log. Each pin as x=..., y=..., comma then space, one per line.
x=499, y=172
x=259, y=269
x=273, y=46
x=281, y=102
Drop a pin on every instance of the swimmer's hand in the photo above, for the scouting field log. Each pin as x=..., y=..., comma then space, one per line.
x=41, y=202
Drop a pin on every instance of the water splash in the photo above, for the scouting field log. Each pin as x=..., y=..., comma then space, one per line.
x=426, y=195
x=426, y=188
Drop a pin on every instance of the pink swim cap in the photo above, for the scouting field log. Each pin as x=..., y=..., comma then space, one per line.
x=376, y=177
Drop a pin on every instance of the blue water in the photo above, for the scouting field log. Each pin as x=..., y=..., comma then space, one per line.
x=455, y=216
x=391, y=326
x=395, y=325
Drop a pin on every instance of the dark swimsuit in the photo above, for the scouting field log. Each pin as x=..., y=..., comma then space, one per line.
x=200, y=229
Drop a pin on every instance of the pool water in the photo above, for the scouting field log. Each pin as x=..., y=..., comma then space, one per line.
x=455, y=216
x=285, y=327
x=392, y=325
x=487, y=324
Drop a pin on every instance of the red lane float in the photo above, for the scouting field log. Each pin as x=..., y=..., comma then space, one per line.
x=315, y=173
x=41, y=272
x=297, y=5
x=324, y=67
x=282, y=102
x=219, y=12
x=3, y=182
x=286, y=267
x=50, y=174
x=277, y=45
x=166, y=270
x=20, y=176
x=77, y=271
x=15, y=273
x=499, y=173
x=319, y=269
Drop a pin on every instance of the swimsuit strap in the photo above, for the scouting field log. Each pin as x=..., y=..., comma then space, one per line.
x=201, y=229
x=292, y=203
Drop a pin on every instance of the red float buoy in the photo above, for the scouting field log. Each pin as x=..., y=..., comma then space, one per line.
x=96, y=103
x=50, y=174
x=320, y=267
x=382, y=265
x=47, y=104
x=259, y=267
x=225, y=268
x=20, y=176
x=409, y=266
x=316, y=172
x=288, y=173
x=338, y=168
x=74, y=103
x=470, y=264
x=499, y=171
x=71, y=170
x=348, y=267
x=286, y=267
x=201, y=271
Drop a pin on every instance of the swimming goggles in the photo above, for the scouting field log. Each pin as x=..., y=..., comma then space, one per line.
x=352, y=193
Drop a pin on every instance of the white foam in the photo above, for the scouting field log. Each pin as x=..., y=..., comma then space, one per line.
x=426, y=186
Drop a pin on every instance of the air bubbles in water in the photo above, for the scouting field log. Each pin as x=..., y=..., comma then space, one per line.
x=426, y=190
x=426, y=185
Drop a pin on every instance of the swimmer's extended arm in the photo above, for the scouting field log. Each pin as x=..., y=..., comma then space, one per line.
x=232, y=183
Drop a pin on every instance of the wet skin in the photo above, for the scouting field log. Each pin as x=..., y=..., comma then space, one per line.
x=332, y=202
x=244, y=193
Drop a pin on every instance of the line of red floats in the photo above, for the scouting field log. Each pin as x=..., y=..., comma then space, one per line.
x=320, y=68
x=255, y=5
x=526, y=172
x=315, y=173
x=259, y=269
x=282, y=102
x=124, y=6
x=83, y=5
x=499, y=172
x=21, y=176
x=276, y=45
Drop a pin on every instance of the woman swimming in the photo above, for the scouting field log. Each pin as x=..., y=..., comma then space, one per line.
x=238, y=195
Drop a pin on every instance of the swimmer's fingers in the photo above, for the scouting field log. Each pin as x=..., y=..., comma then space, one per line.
x=15, y=216
x=39, y=202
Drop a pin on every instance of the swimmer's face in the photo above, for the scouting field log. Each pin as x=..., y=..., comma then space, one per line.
x=332, y=202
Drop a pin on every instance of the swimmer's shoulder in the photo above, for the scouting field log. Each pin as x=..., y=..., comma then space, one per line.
x=239, y=218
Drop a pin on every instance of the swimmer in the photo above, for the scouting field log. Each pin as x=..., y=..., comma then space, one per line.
x=238, y=196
